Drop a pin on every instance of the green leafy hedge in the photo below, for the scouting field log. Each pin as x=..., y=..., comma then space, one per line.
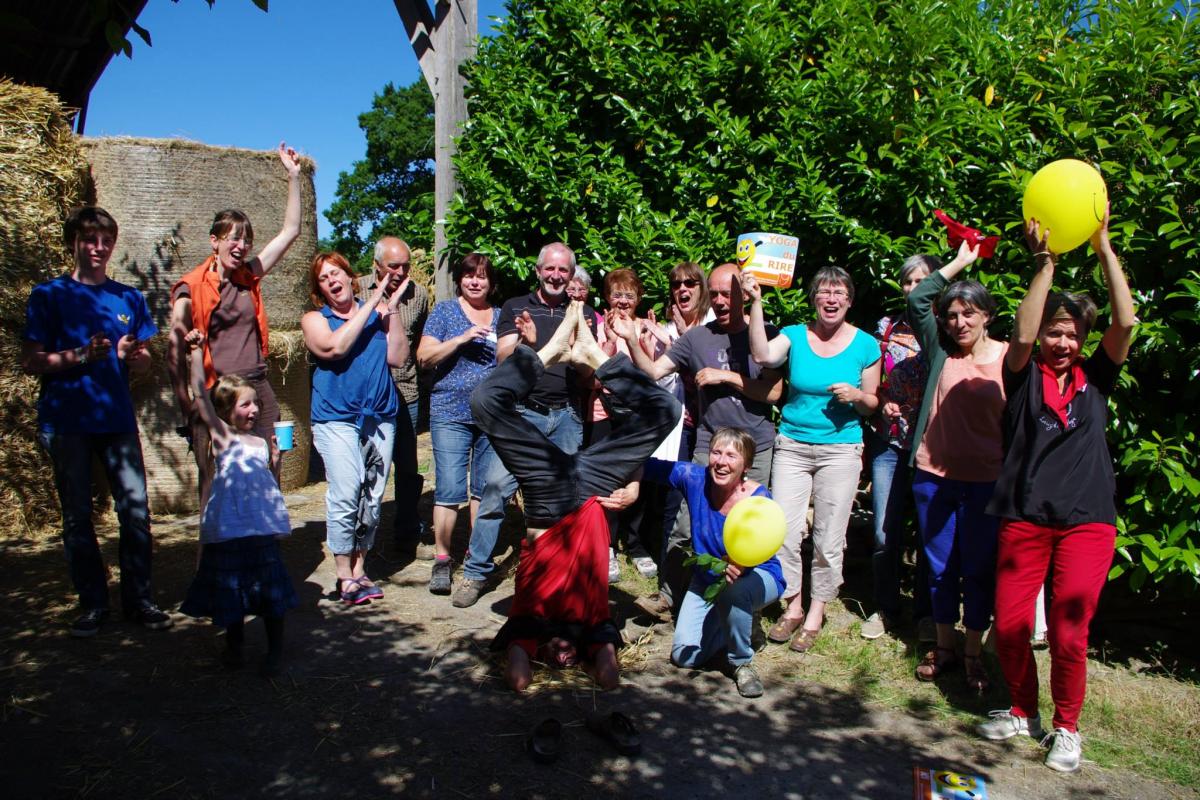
x=645, y=134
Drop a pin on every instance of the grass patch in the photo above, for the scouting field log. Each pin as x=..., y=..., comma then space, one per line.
x=1148, y=724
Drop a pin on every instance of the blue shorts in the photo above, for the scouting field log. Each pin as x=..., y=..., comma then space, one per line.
x=458, y=446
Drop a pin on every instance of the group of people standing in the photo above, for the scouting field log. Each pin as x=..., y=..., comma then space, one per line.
x=999, y=448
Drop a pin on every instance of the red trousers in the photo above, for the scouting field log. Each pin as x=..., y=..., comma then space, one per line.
x=1078, y=558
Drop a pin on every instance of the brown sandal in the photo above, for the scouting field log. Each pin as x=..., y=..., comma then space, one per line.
x=781, y=632
x=935, y=663
x=804, y=640
x=977, y=676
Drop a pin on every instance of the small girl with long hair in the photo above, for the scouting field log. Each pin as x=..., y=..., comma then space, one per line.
x=241, y=570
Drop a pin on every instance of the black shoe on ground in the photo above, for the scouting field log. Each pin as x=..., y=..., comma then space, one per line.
x=439, y=577
x=747, y=681
x=89, y=623
x=152, y=617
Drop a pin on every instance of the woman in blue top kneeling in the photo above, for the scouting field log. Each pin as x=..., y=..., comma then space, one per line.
x=704, y=628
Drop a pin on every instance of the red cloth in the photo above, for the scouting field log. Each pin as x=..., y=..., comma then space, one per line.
x=563, y=574
x=1078, y=559
x=203, y=284
x=1053, y=400
x=957, y=233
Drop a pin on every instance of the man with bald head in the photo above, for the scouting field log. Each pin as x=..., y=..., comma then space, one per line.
x=393, y=263
x=554, y=408
x=733, y=391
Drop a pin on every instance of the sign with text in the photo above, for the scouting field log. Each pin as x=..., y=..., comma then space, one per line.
x=941, y=784
x=769, y=257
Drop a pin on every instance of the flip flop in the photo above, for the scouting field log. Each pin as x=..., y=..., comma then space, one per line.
x=618, y=730
x=544, y=743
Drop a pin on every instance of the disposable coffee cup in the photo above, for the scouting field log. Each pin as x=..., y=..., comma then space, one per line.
x=283, y=434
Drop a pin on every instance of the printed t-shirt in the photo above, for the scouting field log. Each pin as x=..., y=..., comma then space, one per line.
x=721, y=405
x=558, y=386
x=457, y=375
x=963, y=440
x=63, y=314
x=233, y=338
x=812, y=415
x=905, y=371
x=708, y=525
x=1052, y=475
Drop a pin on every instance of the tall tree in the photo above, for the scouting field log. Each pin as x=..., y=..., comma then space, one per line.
x=390, y=192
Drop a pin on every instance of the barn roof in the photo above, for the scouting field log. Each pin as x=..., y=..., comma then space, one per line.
x=60, y=44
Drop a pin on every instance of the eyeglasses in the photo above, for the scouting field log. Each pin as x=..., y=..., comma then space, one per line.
x=838, y=294
x=247, y=241
x=690, y=283
x=623, y=296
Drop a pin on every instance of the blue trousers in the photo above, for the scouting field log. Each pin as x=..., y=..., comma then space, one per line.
x=960, y=543
x=891, y=497
x=702, y=629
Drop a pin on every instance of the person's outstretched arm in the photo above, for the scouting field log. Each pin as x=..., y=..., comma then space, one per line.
x=767, y=352
x=218, y=429
x=1029, y=313
x=332, y=345
x=269, y=256
x=1117, y=338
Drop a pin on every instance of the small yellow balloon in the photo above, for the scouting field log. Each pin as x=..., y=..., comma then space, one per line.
x=754, y=530
x=1068, y=197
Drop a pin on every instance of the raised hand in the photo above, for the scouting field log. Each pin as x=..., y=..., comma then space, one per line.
x=290, y=159
x=1099, y=239
x=1037, y=239
x=526, y=328
x=194, y=338
x=751, y=288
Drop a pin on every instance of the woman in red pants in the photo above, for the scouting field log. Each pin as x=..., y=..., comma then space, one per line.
x=1056, y=492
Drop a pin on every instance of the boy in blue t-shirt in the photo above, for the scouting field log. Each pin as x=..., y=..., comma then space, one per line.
x=83, y=335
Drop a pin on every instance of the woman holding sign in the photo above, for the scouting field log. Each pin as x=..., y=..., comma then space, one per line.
x=833, y=374
x=708, y=624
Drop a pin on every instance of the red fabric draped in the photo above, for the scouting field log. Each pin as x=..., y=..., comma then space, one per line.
x=563, y=574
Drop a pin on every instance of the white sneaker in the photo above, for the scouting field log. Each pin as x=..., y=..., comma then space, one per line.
x=645, y=566
x=874, y=626
x=1004, y=725
x=614, y=567
x=1064, y=752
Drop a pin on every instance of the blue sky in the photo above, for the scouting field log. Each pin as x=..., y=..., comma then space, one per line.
x=236, y=77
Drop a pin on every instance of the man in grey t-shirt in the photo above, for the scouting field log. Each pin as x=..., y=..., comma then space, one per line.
x=734, y=391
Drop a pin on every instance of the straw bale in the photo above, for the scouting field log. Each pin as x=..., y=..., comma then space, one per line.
x=42, y=176
x=164, y=193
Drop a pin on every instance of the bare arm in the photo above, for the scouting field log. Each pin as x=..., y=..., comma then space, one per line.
x=629, y=331
x=178, y=357
x=769, y=353
x=221, y=435
x=432, y=351
x=767, y=388
x=865, y=399
x=1117, y=338
x=1029, y=313
x=275, y=249
x=332, y=345
x=397, y=338
x=37, y=361
x=966, y=255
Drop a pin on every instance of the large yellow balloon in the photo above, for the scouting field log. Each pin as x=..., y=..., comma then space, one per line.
x=1069, y=198
x=754, y=530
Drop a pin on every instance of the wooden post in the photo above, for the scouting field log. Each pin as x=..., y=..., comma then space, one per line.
x=442, y=39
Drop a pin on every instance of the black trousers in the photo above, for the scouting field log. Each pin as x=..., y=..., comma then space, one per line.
x=554, y=483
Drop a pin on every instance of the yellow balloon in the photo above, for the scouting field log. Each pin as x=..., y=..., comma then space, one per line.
x=1068, y=197
x=754, y=530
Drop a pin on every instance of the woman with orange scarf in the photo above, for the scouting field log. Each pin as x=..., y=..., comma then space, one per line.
x=222, y=298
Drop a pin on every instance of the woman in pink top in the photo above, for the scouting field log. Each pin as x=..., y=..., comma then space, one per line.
x=958, y=451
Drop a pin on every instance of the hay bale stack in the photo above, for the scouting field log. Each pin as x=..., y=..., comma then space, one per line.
x=164, y=193
x=42, y=176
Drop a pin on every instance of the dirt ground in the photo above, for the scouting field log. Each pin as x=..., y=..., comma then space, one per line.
x=399, y=697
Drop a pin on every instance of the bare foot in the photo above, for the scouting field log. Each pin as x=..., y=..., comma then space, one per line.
x=518, y=673
x=558, y=349
x=604, y=668
x=585, y=350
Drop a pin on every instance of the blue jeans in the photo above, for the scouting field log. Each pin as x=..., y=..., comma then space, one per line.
x=351, y=506
x=458, y=446
x=409, y=482
x=891, y=491
x=702, y=629
x=562, y=427
x=960, y=543
x=121, y=456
